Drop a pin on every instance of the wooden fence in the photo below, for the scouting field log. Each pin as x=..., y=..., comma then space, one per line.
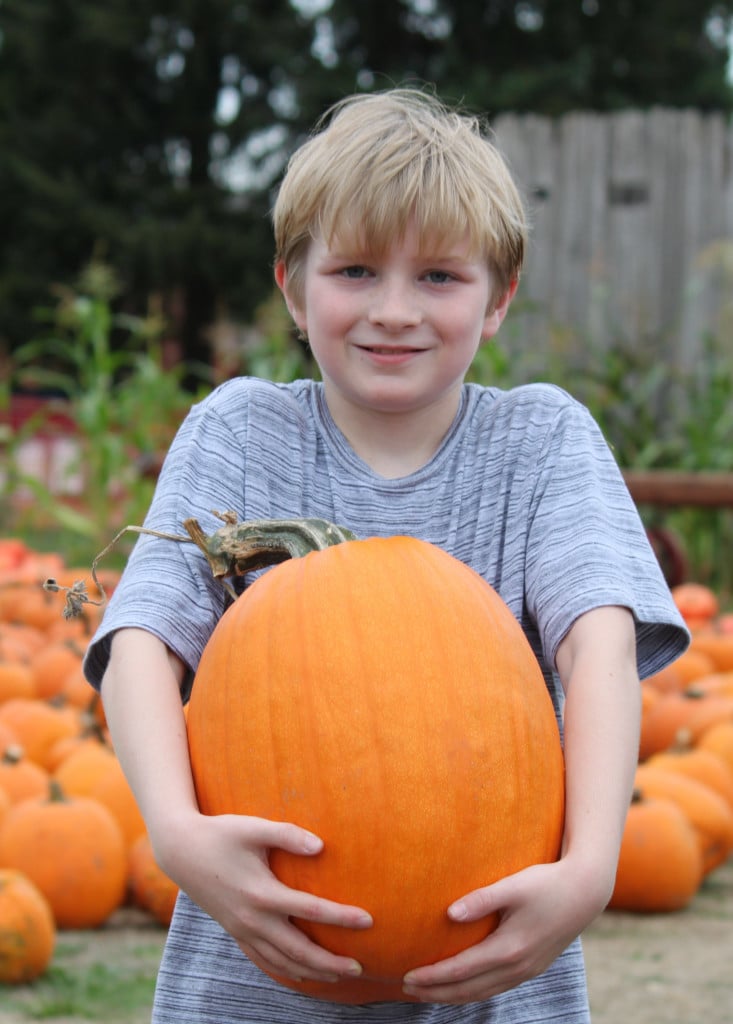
x=632, y=233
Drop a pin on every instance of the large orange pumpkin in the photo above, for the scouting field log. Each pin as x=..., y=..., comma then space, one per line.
x=381, y=694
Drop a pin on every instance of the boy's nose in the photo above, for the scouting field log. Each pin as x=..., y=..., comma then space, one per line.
x=394, y=307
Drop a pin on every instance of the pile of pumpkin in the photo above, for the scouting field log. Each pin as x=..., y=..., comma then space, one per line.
x=680, y=825
x=73, y=846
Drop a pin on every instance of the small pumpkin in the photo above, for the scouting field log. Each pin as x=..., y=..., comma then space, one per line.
x=697, y=763
x=717, y=646
x=21, y=778
x=718, y=739
x=686, y=669
x=696, y=603
x=16, y=680
x=689, y=712
x=381, y=694
x=51, y=665
x=72, y=849
x=707, y=811
x=27, y=929
x=660, y=864
x=38, y=724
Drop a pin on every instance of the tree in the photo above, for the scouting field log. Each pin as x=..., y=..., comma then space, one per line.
x=153, y=131
x=551, y=56
x=115, y=137
x=545, y=56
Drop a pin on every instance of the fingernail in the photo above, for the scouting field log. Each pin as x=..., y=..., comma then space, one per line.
x=311, y=843
x=354, y=969
x=458, y=911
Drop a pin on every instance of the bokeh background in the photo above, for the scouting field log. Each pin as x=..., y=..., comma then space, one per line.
x=141, y=144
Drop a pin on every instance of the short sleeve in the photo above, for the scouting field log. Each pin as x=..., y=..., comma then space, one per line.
x=587, y=546
x=167, y=586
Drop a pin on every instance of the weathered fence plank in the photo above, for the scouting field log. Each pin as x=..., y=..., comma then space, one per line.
x=632, y=226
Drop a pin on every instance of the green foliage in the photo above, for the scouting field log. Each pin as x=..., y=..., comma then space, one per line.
x=277, y=353
x=103, y=370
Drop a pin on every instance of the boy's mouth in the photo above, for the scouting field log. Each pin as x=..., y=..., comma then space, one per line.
x=390, y=350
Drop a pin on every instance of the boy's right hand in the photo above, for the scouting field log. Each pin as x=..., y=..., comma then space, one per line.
x=221, y=862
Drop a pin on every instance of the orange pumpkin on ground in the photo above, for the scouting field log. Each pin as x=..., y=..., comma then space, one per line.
x=27, y=929
x=34, y=607
x=19, y=642
x=7, y=738
x=80, y=771
x=51, y=666
x=718, y=739
x=660, y=865
x=718, y=683
x=717, y=646
x=21, y=778
x=700, y=764
x=680, y=673
x=38, y=725
x=4, y=804
x=687, y=713
x=697, y=604
x=708, y=812
x=72, y=849
x=381, y=694
x=16, y=680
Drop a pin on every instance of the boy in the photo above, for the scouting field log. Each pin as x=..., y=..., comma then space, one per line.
x=399, y=237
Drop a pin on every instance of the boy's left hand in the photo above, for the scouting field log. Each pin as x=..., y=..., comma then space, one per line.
x=542, y=909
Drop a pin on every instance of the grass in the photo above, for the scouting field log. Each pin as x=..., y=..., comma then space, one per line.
x=94, y=976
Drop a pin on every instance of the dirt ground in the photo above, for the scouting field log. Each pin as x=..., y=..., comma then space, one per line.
x=642, y=969
x=665, y=968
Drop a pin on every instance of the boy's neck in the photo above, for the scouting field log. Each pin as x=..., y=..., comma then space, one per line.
x=394, y=445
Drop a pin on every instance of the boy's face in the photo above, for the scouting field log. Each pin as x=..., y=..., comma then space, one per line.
x=394, y=333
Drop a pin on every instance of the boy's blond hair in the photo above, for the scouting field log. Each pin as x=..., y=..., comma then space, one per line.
x=377, y=160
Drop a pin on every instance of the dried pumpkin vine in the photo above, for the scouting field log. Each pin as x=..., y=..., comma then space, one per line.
x=233, y=550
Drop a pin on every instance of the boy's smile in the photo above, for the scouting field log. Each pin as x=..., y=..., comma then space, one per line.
x=394, y=332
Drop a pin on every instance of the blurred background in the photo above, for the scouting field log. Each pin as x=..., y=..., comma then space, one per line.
x=141, y=144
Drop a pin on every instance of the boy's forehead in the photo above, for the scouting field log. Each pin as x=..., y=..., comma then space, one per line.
x=349, y=239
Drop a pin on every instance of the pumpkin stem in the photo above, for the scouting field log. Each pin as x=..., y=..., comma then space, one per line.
x=236, y=548
x=232, y=550
x=56, y=794
x=12, y=754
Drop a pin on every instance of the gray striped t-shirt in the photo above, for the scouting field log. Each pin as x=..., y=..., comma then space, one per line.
x=523, y=488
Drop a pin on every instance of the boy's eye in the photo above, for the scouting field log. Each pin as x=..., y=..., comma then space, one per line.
x=355, y=272
x=438, y=276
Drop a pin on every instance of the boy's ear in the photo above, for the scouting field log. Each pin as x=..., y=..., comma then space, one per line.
x=295, y=309
x=495, y=315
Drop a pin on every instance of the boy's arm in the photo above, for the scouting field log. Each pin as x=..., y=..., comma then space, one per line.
x=220, y=861
x=545, y=907
x=597, y=665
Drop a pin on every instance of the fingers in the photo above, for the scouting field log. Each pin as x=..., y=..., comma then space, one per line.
x=284, y=836
x=475, y=974
x=297, y=958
